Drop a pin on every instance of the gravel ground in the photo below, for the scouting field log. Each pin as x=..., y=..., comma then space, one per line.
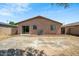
x=52, y=45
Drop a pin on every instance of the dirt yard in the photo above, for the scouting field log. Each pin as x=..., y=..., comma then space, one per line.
x=4, y=37
x=53, y=45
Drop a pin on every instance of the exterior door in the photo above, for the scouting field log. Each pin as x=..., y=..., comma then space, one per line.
x=25, y=29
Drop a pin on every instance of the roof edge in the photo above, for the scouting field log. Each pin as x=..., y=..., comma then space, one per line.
x=38, y=17
x=71, y=24
x=6, y=25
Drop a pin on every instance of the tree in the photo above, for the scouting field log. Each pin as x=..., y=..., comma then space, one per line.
x=65, y=5
x=12, y=23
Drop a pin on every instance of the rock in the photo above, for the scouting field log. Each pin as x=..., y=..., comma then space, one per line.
x=34, y=52
x=11, y=52
x=29, y=51
x=41, y=53
x=3, y=52
x=19, y=52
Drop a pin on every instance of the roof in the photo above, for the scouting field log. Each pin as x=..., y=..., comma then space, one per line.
x=6, y=25
x=72, y=24
x=39, y=17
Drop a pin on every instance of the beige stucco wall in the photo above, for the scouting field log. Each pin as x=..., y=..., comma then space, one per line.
x=41, y=24
x=73, y=30
x=7, y=30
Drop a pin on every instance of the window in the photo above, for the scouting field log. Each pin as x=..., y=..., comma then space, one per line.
x=25, y=29
x=53, y=27
x=34, y=27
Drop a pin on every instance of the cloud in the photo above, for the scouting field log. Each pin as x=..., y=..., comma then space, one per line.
x=10, y=9
x=22, y=7
x=5, y=12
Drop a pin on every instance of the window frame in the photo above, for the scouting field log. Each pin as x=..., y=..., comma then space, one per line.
x=53, y=27
x=34, y=27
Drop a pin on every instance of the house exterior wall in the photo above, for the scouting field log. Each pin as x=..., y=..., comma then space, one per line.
x=7, y=30
x=14, y=31
x=74, y=30
x=41, y=24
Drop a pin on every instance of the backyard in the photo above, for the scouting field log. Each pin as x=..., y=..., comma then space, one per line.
x=53, y=45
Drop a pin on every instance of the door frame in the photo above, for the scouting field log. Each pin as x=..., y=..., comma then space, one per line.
x=25, y=29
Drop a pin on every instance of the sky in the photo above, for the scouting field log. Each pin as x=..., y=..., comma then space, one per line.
x=17, y=12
